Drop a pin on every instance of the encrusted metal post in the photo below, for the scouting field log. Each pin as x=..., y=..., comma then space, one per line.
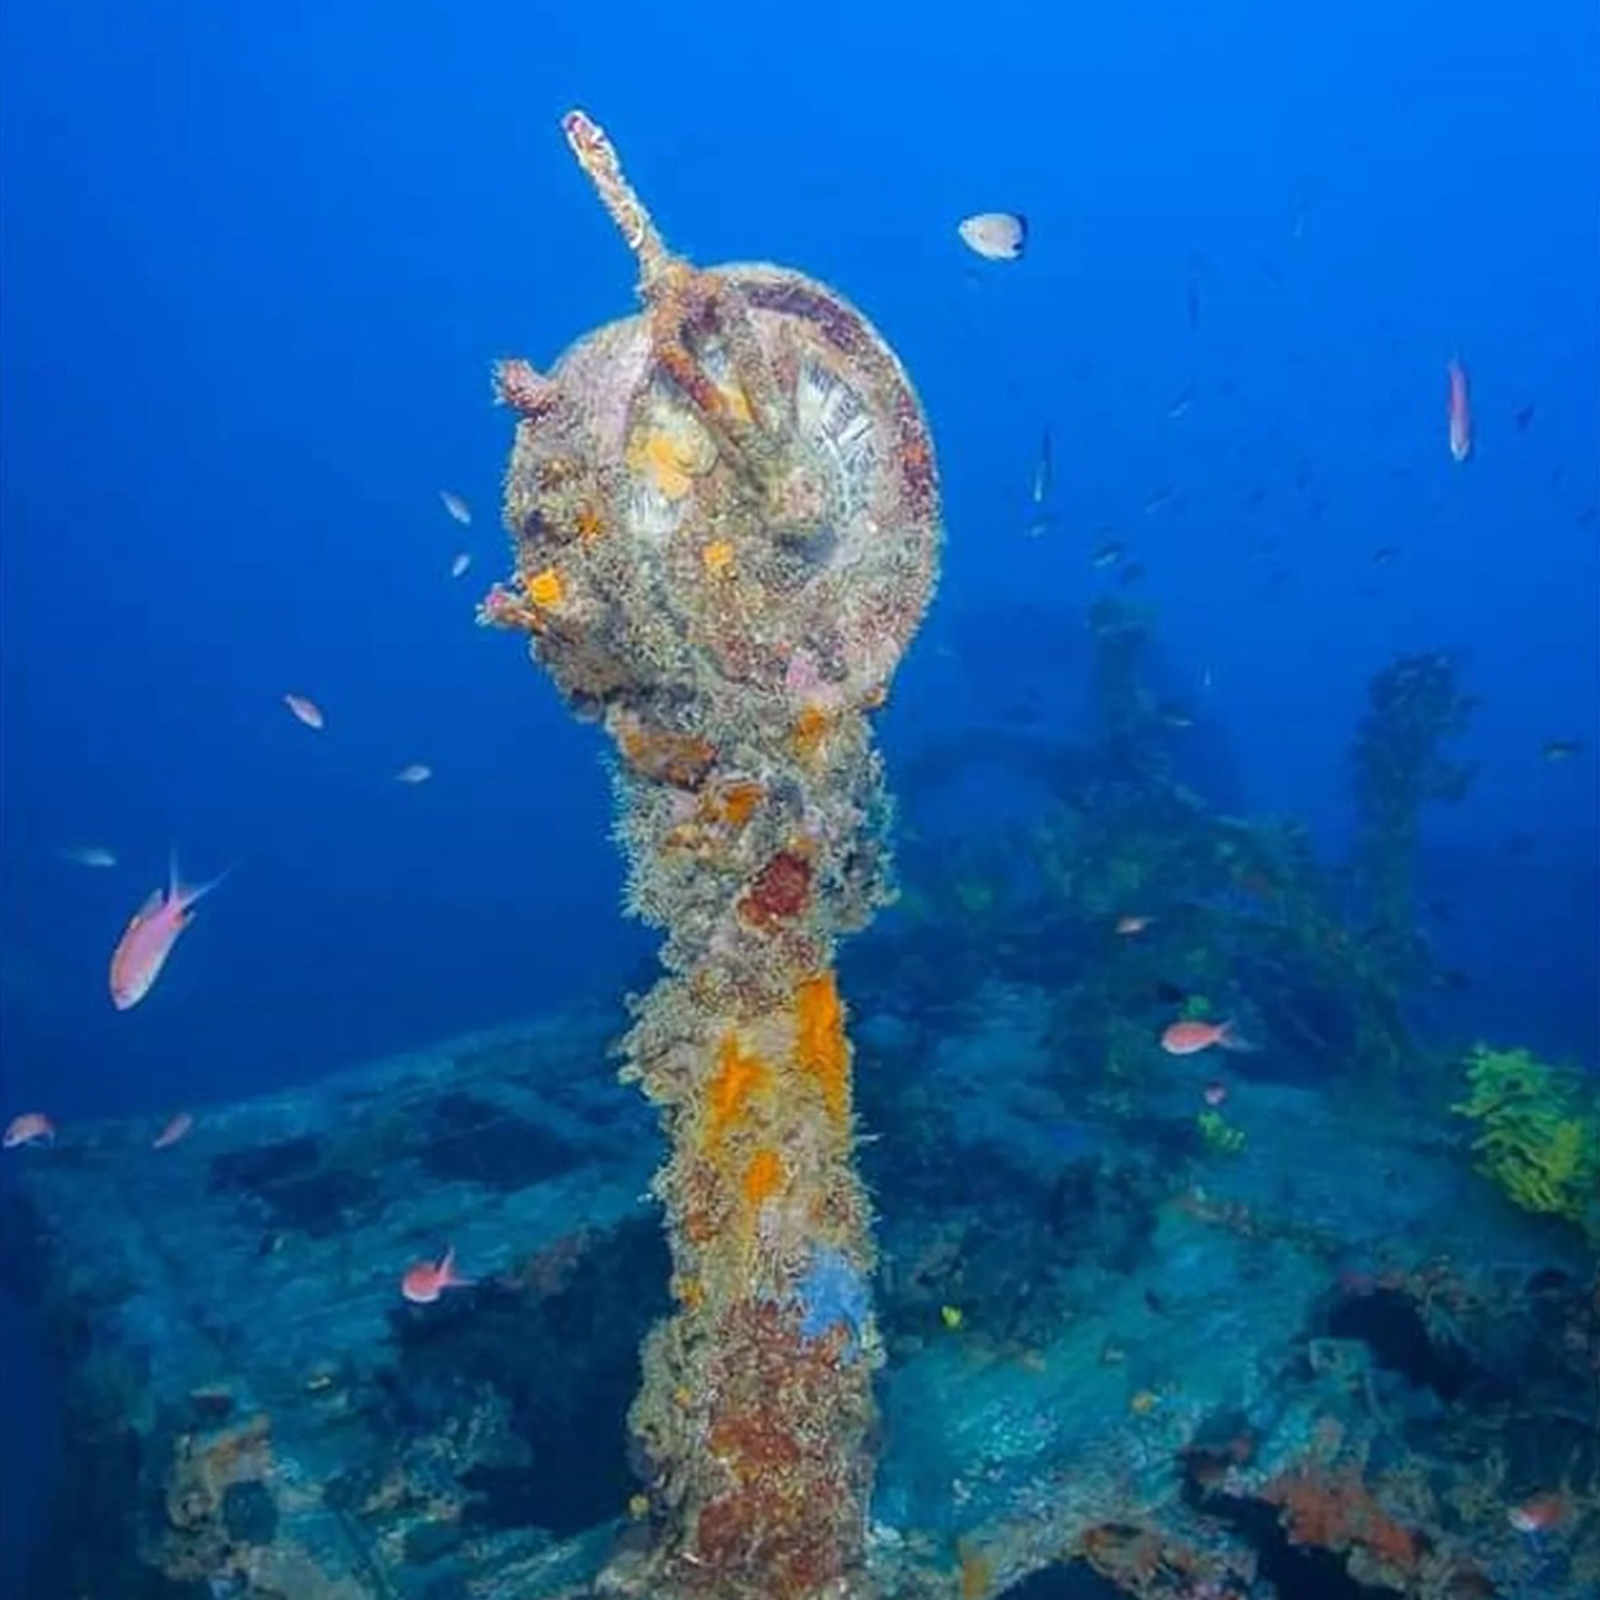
x=725, y=521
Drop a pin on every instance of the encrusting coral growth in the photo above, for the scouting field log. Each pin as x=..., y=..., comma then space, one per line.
x=725, y=523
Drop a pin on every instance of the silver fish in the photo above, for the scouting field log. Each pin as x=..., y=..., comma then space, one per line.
x=89, y=855
x=995, y=235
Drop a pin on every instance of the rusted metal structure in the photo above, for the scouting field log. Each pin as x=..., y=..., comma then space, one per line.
x=726, y=528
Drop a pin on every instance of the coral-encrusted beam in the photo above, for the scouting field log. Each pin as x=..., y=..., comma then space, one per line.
x=724, y=518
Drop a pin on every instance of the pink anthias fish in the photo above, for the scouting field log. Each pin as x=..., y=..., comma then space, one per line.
x=148, y=939
x=1190, y=1038
x=32, y=1127
x=175, y=1130
x=308, y=711
x=1541, y=1514
x=1459, y=412
x=425, y=1281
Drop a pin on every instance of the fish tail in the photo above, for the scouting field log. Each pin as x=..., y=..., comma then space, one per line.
x=186, y=894
x=448, y=1274
x=1231, y=1040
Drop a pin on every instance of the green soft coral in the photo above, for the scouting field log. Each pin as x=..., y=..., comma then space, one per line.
x=1220, y=1135
x=1540, y=1138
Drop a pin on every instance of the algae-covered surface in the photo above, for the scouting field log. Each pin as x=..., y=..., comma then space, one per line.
x=1333, y=1354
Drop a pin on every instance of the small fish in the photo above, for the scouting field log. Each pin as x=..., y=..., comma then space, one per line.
x=424, y=1281
x=1171, y=715
x=951, y=1317
x=148, y=939
x=1560, y=749
x=1523, y=417
x=417, y=772
x=995, y=235
x=1128, y=926
x=1215, y=1093
x=175, y=1130
x=1043, y=472
x=1459, y=412
x=1384, y=554
x=88, y=855
x=1539, y=1514
x=456, y=506
x=1190, y=1038
x=1159, y=500
x=1181, y=403
x=1038, y=526
x=1108, y=554
x=308, y=711
x=32, y=1127
x=1132, y=573
x=460, y=564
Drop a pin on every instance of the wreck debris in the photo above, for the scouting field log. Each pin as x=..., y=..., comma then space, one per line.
x=1176, y=1368
x=724, y=518
x=1414, y=705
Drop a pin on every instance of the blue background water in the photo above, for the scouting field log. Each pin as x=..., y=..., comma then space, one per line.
x=256, y=261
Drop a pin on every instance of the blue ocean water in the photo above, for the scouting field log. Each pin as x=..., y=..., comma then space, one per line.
x=255, y=264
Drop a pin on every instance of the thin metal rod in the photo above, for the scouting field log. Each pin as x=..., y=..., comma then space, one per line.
x=598, y=158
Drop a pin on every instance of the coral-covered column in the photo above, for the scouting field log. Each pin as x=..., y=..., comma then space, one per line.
x=725, y=521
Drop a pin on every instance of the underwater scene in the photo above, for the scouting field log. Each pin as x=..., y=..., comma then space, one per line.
x=800, y=805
